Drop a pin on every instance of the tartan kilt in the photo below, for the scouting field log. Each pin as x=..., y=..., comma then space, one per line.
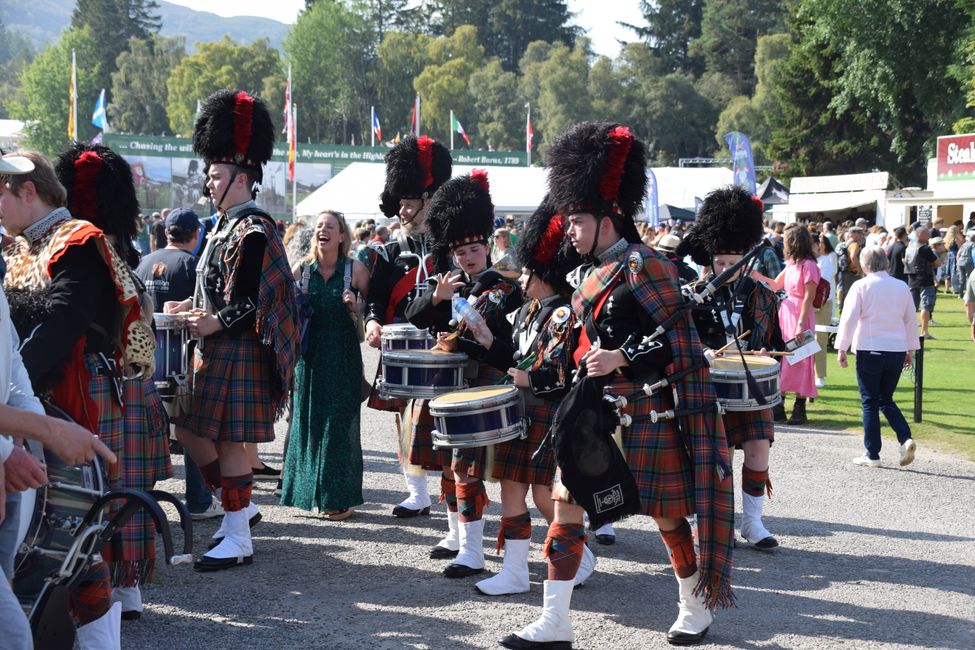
x=742, y=426
x=418, y=432
x=476, y=462
x=233, y=391
x=513, y=459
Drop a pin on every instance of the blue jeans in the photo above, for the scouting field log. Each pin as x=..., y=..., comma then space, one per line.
x=877, y=377
x=198, y=497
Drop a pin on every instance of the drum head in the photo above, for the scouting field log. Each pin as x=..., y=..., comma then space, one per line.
x=478, y=397
x=733, y=363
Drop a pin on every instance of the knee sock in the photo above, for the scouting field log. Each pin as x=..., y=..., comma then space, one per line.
x=754, y=482
x=563, y=548
x=680, y=546
x=517, y=527
x=92, y=598
x=471, y=499
x=211, y=474
x=235, y=492
x=448, y=493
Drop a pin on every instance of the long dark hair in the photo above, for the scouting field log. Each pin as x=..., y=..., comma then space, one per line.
x=798, y=244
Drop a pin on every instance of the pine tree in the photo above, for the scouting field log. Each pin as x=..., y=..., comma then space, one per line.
x=113, y=23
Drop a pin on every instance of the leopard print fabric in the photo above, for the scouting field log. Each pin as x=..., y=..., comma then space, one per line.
x=28, y=268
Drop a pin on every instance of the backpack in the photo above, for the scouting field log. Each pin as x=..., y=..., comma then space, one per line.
x=842, y=258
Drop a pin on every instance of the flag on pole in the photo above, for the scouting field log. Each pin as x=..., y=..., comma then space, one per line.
x=529, y=134
x=415, y=117
x=100, y=117
x=292, y=124
x=457, y=127
x=377, y=130
x=741, y=159
x=652, y=213
x=287, y=106
x=199, y=107
x=73, y=99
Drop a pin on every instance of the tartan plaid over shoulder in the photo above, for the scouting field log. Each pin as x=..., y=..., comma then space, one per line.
x=764, y=308
x=654, y=283
x=277, y=311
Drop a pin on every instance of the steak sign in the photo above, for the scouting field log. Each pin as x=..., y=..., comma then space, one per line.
x=956, y=157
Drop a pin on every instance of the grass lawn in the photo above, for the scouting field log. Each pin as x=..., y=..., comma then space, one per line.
x=949, y=375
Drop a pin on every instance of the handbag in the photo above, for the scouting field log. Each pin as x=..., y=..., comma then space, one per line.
x=822, y=293
x=365, y=388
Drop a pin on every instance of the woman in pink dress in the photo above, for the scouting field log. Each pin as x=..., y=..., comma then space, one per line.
x=796, y=315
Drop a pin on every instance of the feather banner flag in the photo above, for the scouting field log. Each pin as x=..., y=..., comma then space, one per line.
x=741, y=160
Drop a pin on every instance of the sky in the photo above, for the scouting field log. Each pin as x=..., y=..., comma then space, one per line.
x=598, y=18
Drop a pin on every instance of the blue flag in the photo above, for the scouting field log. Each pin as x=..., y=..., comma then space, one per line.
x=652, y=213
x=100, y=117
x=741, y=159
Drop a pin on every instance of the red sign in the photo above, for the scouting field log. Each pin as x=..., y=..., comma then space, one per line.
x=956, y=157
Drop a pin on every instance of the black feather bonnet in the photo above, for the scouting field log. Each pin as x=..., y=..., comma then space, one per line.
x=542, y=248
x=729, y=221
x=460, y=213
x=234, y=128
x=415, y=168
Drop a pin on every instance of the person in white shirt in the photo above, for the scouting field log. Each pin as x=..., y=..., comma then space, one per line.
x=826, y=260
x=878, y=323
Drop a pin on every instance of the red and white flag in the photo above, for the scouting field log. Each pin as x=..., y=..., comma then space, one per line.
x=415, y=117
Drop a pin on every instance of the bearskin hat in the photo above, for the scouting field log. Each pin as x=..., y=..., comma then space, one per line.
x=729, y=221
x=414, y=167
x=100, y=190
x=461, y=212
x=542, y=249
x=235, y=128
x=599, y=167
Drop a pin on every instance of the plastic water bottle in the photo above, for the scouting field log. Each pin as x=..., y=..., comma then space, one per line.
x=463, y=310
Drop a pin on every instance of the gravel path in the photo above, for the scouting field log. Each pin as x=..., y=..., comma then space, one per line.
x=868, y=558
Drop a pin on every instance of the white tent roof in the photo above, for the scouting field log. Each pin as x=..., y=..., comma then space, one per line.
x=355, y=190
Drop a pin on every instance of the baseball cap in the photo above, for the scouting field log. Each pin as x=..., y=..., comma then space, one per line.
x=916, y=225
x=183, y=219
x=13, y=165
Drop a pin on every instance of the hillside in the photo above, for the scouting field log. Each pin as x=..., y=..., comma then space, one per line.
x=43, y=20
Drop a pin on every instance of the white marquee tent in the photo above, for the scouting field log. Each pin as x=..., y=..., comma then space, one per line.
x=515, y=190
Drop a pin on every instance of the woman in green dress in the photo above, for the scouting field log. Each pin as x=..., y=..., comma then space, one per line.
x=323, y=457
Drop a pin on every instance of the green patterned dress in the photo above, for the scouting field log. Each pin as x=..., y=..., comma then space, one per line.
x=323, y=462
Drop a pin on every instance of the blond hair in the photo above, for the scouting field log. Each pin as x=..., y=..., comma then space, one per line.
x=344, y=246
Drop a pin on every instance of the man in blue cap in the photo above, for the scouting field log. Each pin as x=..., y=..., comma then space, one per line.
x=170, y=273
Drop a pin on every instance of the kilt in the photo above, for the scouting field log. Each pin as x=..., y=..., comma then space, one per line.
x=111, y=427
x=742, y=426
x=657, y=458
x=513, y=459
x=234, y=391
x=145, y=460
x=417, y=426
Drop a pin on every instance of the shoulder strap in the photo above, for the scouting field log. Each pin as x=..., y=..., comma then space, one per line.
x=348, y=274
x=305, y=276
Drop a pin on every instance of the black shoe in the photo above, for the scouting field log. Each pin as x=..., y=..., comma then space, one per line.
x=799, y=412
x=766, y=544
x=266, y=473
x=131, y=615
x=778, y=413
x=517, y=643
x=460, y=571
x=442, y=553
x=606, y=540
x=683, y=638
x=407, y=513
x=206, y=564
x=253, y=521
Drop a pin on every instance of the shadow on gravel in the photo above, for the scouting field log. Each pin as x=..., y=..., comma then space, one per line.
x=812, y=528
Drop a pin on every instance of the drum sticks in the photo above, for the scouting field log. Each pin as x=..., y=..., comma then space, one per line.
x=730, y=343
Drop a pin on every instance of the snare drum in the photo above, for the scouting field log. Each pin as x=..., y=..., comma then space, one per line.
x=477, y=417
x=421, y=374
x=403, y=336
x=171, y=362
x=728, y=376
x=52, y=548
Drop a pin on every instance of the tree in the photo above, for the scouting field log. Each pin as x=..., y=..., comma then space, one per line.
x=611, y=99
x=16, y=52
x=43, y=101
x=671, y=27
x=562, y=94
x=113, y=23
x=501, y=107
x=444, y=83
x=678, y=120
x=222, y=64
x=333, y=84
x=729, y=32
x=139, y=91
x=400, y=59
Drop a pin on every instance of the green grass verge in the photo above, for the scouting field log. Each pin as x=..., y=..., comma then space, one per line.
x=949, y=374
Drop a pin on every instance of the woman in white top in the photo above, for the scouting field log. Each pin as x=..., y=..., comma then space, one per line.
x=826, y=260
x=878, y=322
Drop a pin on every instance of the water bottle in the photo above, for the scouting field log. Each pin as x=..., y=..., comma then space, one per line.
x=463, y=310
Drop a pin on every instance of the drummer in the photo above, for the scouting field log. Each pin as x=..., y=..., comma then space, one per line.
x=461, y=219
x=415, y=168
x=728, y=225
x=597, y=178
x=541, y=344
